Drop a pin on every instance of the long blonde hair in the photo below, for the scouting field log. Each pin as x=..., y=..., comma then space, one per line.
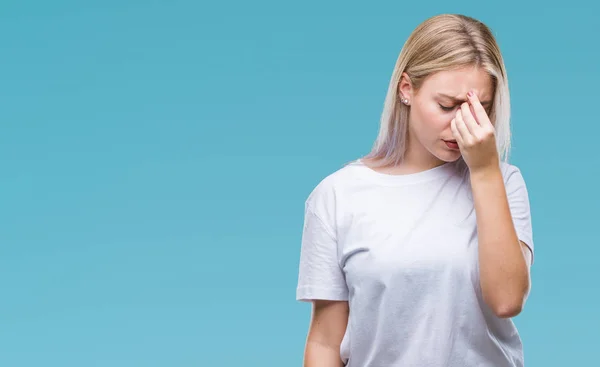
x=442, y=42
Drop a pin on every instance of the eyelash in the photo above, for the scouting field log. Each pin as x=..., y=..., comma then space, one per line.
x=444, y=108
x=449, y=109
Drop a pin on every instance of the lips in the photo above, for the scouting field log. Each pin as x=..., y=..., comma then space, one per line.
x=452, y=144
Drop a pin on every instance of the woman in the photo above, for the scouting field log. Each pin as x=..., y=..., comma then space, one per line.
x=419, y=253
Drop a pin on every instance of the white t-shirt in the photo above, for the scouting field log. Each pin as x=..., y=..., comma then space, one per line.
x=402, y=250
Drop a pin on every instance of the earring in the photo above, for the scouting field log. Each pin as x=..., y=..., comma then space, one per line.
x=404, y=100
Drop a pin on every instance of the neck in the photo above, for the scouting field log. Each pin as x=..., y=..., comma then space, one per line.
x=417, y=158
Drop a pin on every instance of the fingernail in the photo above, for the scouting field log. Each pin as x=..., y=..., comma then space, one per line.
x=470, y=94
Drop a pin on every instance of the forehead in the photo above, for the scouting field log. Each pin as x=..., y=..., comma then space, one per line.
x=459, y=82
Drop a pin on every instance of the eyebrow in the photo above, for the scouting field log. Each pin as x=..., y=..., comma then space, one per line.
x=458, y=100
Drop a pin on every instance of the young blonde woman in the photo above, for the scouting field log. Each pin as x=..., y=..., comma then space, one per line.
x=418, y=254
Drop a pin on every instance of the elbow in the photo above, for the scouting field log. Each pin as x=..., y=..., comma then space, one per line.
x=507, y=303
x=507, y=306
x=508, y=309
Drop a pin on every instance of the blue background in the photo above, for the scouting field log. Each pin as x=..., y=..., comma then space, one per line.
x=155, y=157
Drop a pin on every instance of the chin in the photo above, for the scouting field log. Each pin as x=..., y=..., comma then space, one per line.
x=448, y=155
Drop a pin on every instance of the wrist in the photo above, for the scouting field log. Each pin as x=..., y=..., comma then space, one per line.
x=490, y=171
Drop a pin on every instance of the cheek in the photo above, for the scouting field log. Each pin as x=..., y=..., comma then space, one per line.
x=433, y=119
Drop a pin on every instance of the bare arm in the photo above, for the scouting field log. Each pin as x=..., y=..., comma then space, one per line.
x=504, y=260
x=327, y=328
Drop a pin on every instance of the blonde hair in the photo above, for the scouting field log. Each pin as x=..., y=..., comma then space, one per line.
x=442, y=42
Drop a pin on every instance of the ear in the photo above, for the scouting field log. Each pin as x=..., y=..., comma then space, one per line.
x=405, y=89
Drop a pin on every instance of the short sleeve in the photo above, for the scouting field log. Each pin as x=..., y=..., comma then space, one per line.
x=320, y=275
x=518, y=200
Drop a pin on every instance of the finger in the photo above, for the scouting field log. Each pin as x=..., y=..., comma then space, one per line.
x=456, y=133
x=469, y=119
x=480, y=114
x=461, y=127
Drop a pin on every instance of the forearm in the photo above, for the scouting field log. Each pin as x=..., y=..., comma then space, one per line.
x=321, y=355
x=504, y=274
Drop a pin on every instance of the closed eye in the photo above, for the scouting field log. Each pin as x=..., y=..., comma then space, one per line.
x=451, y=108
x=447, y=109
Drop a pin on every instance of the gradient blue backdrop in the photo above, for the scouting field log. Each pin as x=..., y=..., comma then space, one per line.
x=155, y=157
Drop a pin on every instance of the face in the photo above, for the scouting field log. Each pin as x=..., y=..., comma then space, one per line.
x=435, y=104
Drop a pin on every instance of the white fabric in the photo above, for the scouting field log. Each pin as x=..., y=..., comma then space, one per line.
x=402, y=250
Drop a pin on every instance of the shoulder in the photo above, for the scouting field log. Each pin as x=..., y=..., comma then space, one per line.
x=324, y=195
x=510, y=171
x=508, y=168
x=513, y=177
